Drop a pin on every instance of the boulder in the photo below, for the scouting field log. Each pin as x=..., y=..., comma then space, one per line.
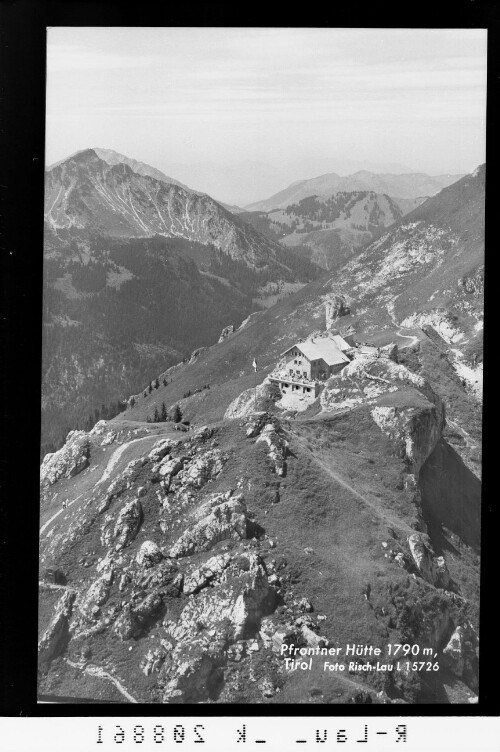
x=149, y=554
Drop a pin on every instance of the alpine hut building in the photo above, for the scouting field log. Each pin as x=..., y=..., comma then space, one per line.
x=306, y=364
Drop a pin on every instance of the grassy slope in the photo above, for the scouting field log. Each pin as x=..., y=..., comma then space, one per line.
x=342, y=491
x=227, y=366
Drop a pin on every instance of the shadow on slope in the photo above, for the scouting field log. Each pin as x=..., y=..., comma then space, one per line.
x=451, y=495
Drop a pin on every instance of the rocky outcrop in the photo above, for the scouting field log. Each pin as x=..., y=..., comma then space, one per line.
x=241, y=601
x=96, y=595
x=206, y=574
x=415, y=430
x=135, y=618
x=167, y=470
x=211, y=627
x=196, y=354
x=473, y=284
x=257, y=422
x=125, y=528
x=195, y=676
x=149, y=554
x=371, y=374
x=431, y=568
x=226, y=332
x=441, y=320
x=68, y=461
x=226, y=520
x=460, y=654
x=277, y=447
x=336, y=306
x=55, y=637
x=260, y=399
x=161, y=449
x=202, y=469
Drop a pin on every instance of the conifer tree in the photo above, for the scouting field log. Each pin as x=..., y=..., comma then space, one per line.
x=156, y=418
x=157, y=383
x=164, y=415
x=177, y=416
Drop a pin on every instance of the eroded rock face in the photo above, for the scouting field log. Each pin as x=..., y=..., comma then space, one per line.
x=431, y=568
x=415, y=430
x=226, y=520
x=68, y=461
x=336, y=306
x=55, y=637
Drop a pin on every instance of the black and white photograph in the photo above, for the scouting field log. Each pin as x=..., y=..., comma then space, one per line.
x=262, y=359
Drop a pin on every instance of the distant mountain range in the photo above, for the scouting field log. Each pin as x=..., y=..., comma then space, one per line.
x=405, y=186
x=139, y=271
x=101, y=191
x=328, y=229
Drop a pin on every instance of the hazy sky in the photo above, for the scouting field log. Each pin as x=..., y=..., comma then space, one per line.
x=240, y=113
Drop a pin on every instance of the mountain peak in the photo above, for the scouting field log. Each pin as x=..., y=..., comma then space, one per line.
x=113, y=158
